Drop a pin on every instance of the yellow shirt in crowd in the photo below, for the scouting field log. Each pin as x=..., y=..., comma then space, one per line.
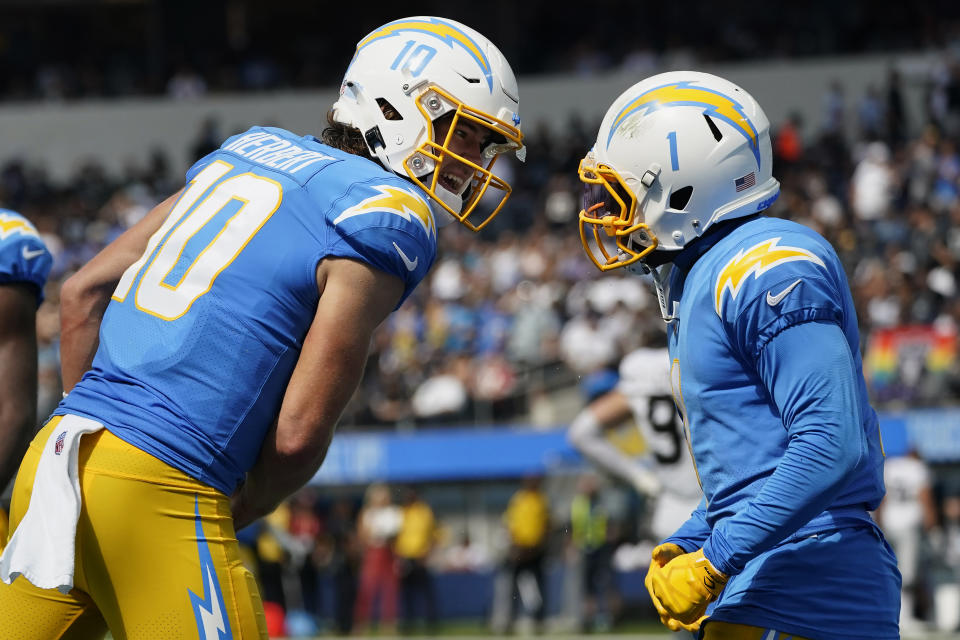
x=416, y=533
x=527, y=517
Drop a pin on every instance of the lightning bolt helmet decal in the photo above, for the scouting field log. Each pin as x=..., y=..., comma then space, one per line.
x=686, y=94
x=444, y=31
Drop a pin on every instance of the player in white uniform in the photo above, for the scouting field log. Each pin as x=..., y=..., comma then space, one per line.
x=665, y=474
x=905, y=513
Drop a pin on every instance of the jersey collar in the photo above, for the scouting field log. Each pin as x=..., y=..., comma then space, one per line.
x=688, y=256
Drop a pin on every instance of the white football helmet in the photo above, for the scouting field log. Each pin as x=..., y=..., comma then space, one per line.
x=424, y=68
x=676, y=153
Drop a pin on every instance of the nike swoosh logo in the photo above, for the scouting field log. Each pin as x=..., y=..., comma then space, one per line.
x=411, y=264
x=30, y=255
x=774, y=300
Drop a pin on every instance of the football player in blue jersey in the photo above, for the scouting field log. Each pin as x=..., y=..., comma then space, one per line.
x=209, y=351
x=765, y=367
x=24, y=266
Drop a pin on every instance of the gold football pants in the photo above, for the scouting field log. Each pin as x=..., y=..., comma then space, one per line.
x=733, y=631
x=156, y=555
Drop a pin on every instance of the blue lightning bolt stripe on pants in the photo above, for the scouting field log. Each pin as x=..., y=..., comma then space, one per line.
x=157, y=556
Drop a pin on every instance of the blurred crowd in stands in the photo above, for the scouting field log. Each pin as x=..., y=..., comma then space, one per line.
x=512, y=317
x=557, y=554
x=384, y=561
x=61, y=50
x=514, y=322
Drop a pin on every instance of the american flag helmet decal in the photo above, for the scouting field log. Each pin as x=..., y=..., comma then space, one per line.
x=745, y=182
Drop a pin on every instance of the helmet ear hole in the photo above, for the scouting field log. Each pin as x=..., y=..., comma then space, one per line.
x=680, y=198
x=389, y=111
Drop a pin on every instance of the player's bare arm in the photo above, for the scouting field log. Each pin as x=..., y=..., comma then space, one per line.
x=354, y=299
x=587, y=434
x=589, y=426
x=18, y=374
x=85, y=295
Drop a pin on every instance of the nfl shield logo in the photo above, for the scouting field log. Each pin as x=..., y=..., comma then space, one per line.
x=58, y=445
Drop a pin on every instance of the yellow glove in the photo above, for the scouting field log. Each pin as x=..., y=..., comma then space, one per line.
x=663, y=554
x=685, y=585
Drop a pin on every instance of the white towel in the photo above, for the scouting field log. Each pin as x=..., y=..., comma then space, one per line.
x=42, y=547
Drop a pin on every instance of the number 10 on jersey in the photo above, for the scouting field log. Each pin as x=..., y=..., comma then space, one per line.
x=208, y=193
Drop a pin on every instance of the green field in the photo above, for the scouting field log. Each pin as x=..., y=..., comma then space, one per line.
x=653, y=631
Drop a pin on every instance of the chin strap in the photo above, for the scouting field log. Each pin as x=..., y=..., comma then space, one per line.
x=441, y=216
x=449, y=198
x=660, y=277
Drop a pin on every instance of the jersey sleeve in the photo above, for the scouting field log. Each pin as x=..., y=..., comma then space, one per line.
x=694, y=532
x=389, y=227
x=815, y=391
x=23, y=255
x=799, y=284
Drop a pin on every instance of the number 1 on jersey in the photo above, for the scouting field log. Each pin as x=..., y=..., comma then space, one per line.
x=682, y=408
x=259, y=197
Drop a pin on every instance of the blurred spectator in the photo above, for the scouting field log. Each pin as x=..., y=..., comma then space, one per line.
x=871, y=113
x=895, y=110
x=834, y=110
x=305, y=529
x=589, y=532
x=413, y=547
x=339, y=553
x=527, y=519
x=443, y=394
x=906, y=514
x=378, y=525
x=871, y=190
x=465, y=555
x=946, y=588
x=591, y=351
x=186, y=84
x=951, y=92
x=788, y=142
x=207, y=140
x=272, y=556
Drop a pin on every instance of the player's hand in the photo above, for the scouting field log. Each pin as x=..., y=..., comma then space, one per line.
x=646, y=482
x=685, y=585
x=662, y=554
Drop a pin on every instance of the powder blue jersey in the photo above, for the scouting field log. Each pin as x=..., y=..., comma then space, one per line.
x=763, y=277
x=202, y=334
x=23, y=255
x=740, y=375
